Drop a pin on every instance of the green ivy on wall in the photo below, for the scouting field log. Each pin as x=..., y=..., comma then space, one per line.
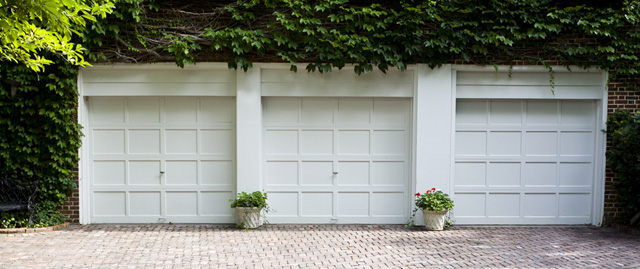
x=328, y=34
x=623, y=157
x=39, y=137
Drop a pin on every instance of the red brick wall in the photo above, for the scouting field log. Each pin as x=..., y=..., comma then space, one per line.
x=620, y=97
x=71, y=208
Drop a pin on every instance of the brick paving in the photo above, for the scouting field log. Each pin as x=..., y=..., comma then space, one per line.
x=319, y=246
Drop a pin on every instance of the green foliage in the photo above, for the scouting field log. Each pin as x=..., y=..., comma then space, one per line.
x=623, y=157
x=254, y=199
x=373, y=34
x=434, y=200
x=31, y=27
x=39, y=139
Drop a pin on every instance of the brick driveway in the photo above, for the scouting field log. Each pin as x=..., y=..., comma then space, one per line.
x=360, y=246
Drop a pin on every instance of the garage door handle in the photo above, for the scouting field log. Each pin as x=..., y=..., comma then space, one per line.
x=161, y=172
x=335, y=173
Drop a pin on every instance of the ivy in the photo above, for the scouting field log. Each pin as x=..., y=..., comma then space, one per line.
x=623, y=157
x=372, y=35
x=39, y=139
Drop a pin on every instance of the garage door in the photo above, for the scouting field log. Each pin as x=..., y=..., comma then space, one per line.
x=337, y=160
x=161, y=159
x=524, y=162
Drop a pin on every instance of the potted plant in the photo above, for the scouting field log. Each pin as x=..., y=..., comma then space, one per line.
x=249, y=207
x=434, y=204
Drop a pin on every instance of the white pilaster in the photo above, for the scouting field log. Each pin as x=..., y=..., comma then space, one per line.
x=434, y=110
x=248, y=130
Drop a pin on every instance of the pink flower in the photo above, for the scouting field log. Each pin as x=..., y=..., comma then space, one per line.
x=417, y=194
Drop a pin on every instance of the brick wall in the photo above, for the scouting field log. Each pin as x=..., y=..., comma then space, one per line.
x=620, y=97
x=71, y=208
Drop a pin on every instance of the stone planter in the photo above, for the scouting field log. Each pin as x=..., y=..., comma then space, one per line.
x=249, y=217
x=434, y=220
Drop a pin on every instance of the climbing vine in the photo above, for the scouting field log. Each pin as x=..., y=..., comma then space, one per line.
x=326, y=34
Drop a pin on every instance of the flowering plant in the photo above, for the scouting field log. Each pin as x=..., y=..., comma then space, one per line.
x=434, y=200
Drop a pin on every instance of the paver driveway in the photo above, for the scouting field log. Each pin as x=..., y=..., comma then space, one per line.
x=361, y=246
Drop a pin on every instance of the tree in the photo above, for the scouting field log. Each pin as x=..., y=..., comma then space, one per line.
x=30, y=27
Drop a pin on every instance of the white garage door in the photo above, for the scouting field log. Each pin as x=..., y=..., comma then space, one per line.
x=524, y=162
x=161, y=159
x=337, y=160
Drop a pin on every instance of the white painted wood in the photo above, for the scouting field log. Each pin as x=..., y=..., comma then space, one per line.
x=84, y=155
x=529, y=92
x=161, y=80
x=434, y=123
x=161, y=159
x=279, y=82
x=576, y=78
x=249, y=122
x=524, y=161
x=337, y=160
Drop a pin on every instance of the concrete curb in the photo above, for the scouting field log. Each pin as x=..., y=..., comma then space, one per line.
x=33, y=230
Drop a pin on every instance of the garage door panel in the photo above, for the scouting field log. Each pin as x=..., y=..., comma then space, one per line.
x=216, y=111
x=317, y=173
x=474, y=112
x=471, y=143
x=388, y=204
x=542, y=113
x=181, y=110
x=390, y=112
x=578, y=113
x=181, y=141
x=216, y=203
x=503, y=205
x=316, y=142
x=503, y=174
x=353, y=142
x=108, y=141
x=388, y=142
x=541, y=143
x=354, y=111
x=109, y=203
x=145, y=204
x=109, y=172
x=108, y=110
x=353, y=173
x=318, y=111
x=343, y=155
x=536, y=173
x=218, y=141
x=470, y=174
x=282, y=111
x=540, y=174
x=504, y=143
x=281, y=173
x=164, y=161
x=387, y=173
x=283, y=203
x=144, y=173
x=281, y=141
x=144, y=141
x=316, y=204
x=143, y=110
x=540, y=205
x=353, y=204
x=576, y=143
x=182, y=203
x=505, y=113
x=216, y=173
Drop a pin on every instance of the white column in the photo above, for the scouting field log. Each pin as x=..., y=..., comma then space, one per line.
x=434, y=102
x=248, y=130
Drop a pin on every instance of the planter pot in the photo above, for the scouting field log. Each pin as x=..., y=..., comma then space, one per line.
x=249, y=217
x=434, y=220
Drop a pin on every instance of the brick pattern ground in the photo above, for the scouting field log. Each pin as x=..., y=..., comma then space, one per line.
x=319, y=246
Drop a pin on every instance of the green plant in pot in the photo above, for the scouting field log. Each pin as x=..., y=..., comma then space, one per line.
x=249, y=207
x=434, y=204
